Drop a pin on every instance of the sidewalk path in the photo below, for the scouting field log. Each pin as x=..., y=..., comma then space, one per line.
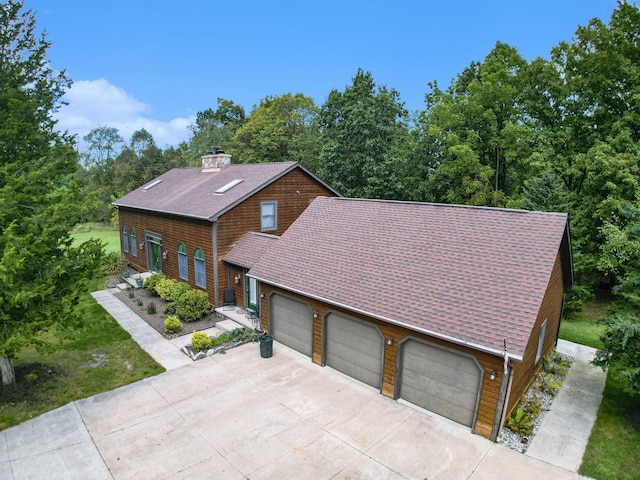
x=564, y=433
x=163, y=351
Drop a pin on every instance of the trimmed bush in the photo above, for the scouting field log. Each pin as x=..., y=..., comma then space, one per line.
x=193, y=305
x=200, y=341
x=170, y=308
x=151, y=282
x=178, y=290
x=164, y=288
x=172, y=325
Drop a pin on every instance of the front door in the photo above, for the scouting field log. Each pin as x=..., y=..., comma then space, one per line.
x=252, y=294
x=154, y=252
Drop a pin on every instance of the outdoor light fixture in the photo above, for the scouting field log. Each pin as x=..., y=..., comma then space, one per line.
x=493, y=375
x=315, y=314
x=142, y=246
x=390, y=341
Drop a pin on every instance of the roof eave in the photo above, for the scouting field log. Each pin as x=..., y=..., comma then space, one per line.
x=165, y=212
x=457, y=341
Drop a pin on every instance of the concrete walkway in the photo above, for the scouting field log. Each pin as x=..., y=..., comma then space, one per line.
x=241, y=416
x=563, y=436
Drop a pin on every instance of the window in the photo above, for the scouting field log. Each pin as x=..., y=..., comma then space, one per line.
x=125, y=240
x=268, y=212
x=134, y=245
x=198, y=263
x=543, y=329
x=183, y=264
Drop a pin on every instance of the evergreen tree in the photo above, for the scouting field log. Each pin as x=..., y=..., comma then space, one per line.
x=42, y=274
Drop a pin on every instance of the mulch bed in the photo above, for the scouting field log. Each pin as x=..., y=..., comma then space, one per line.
x=156, y=320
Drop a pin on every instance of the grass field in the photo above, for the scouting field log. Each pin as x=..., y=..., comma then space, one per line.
x=613, y=451
x=99, y=357
x=585, y=328
x=109, y=235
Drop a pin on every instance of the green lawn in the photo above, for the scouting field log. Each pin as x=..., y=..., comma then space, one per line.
x=584, y=328
x=100, y=357
x=613, y=451
x=109, y=235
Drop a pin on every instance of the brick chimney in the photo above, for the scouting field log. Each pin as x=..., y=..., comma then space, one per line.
x=215, y=160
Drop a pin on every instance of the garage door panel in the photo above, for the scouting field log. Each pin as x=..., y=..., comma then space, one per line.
x=442, y=377
x=354, y=348
x=292, y=324
x=440, y=380
x=440, y=358
x=343, y=333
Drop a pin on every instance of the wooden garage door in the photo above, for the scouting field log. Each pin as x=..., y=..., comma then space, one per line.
x=440, y=380
x=354, y=348
x=292, y=323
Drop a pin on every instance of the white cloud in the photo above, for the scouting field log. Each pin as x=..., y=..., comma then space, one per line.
x=93, y=103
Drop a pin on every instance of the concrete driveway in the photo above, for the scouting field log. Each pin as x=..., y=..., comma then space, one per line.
x=241, y=416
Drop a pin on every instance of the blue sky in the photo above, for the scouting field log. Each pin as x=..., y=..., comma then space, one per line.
x=155, y=64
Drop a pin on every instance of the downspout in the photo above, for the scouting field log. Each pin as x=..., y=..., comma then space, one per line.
x=216, y=284
x=564, y=297
x=501, y=409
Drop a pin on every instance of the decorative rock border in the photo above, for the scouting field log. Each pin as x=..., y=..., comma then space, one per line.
x=189, y=352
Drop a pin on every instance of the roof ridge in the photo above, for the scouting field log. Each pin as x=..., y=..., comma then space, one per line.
x=448, y=205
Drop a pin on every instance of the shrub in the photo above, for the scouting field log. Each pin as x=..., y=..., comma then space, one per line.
x=164, y=287
x=556, y=364
x=151, y=307
x=521, y=421
x=178, y=289
x=548, y=384
x=172, y=325
x=200, y=341
x=170, y=308
x=117, y=264
x=151, y=282
x=192, y=306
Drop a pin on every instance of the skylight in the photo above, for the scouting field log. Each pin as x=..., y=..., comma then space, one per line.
x=151, y=185
x=228, y=186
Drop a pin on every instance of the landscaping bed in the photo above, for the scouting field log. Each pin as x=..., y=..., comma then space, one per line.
x=525, y=421
x=156, y=320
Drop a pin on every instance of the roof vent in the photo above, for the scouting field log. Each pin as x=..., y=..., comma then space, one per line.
x=216, y=160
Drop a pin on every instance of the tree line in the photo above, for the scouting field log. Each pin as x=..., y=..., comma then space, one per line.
x=552, y=134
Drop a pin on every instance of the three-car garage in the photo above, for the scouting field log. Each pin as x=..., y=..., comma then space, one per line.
x=439, y=379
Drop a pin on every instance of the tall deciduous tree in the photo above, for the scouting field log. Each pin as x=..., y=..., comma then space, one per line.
x=280, y=129
x=214, y=128
x=481, y=110
x=363, y=130
x=42, y=274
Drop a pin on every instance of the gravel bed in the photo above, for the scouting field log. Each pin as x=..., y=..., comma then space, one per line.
x=518, y=442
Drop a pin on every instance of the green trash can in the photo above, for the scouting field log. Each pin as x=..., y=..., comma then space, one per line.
x=266, y=346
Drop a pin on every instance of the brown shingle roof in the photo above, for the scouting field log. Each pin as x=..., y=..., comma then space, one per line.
x=250, y=249
x=472, y=275
x=190, y=191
